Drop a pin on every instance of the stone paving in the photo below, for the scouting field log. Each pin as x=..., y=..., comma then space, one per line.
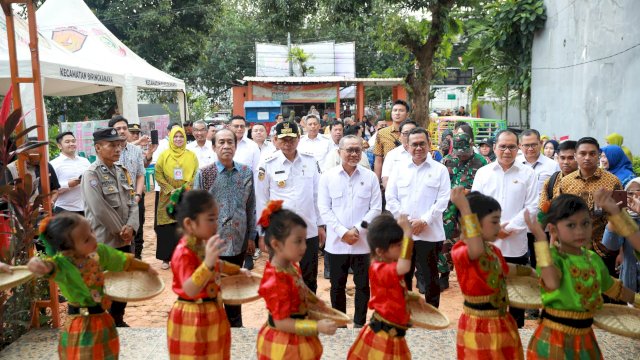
x=150, y=344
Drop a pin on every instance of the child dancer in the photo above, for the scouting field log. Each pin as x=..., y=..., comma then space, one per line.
x=573, y=280
x=77, y=262
x=485, y=329
x=288, y=334
x=198, y=327
x=391, y=245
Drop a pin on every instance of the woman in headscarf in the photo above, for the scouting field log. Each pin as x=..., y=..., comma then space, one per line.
x=614, y=160
x=550, y=149
x=175, y=167
x=627, y=260
x=617, y=139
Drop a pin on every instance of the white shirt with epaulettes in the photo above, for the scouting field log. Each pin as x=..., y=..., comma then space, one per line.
x=295, y=182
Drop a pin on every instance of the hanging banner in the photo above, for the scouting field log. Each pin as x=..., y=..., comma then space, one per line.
x=314, y=93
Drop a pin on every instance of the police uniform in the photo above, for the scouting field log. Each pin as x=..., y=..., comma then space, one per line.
x=109, y=202
x=295, y=182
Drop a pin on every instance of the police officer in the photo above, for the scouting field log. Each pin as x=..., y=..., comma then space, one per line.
x=109, y=202
x=293, y=176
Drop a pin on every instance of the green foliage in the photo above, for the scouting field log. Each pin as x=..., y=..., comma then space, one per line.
x=77, y=108
x=636, y=165
x=53, y=131
x=299, y=58
x=500, y=51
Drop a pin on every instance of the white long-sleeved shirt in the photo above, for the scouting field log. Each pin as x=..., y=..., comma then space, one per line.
x=205, y=154
x=344, y=202
x=543, y=168
x=66, y=169
x=248, y=153
x=295, y=182
x=319, y=146
x=515, y=190
x=392, y=159
x=422, y=192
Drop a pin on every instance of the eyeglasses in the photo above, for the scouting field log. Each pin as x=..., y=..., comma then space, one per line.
x=530, y=146
x=356, y=151
x=419, y=145
x=511, y=148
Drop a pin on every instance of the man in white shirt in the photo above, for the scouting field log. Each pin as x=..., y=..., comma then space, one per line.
x=543, y=167
x=398, y=154
x=293, y=176
x=420, y=188
x=259, y=136
x=247, y=151
x=312, y=142
x=348, y=195
x=69, y=167
x=201, y=146
x=513, y=184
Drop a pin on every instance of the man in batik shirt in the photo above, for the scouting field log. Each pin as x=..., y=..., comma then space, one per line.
x=462, y=164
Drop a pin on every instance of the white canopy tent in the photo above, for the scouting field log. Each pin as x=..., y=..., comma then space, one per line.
x=73, y=25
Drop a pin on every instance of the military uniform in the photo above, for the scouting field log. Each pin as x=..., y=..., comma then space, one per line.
x=461, y=174
x=295, y=182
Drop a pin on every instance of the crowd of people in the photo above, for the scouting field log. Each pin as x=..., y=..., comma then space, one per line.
x=224, y=195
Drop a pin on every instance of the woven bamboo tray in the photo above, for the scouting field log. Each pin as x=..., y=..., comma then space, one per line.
x=240, y=289
x=128, y=286
x=340, y=318
x=427, y=316
x=618, y=319
x=524, y=292
x=19, y=276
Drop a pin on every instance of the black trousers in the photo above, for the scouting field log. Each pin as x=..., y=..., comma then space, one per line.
x=309, y=264
x=340, y=264
x=425, y=259
x=117, y=308
x=518, y=314
x=532, y=252
x=138, y=240
x=234, y=312
x=58, y=210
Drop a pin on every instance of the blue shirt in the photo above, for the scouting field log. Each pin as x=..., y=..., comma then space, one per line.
x=630, y=271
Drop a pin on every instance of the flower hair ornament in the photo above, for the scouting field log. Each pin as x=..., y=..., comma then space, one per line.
x=273, y=206
x=544, y=210
x=49, y=250
x=175, y=198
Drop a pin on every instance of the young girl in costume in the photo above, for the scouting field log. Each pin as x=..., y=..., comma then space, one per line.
x=198, y=327
x=573, y=280
x=288, y=333
x=76, y=262
x=391, y=246
x=485, y=329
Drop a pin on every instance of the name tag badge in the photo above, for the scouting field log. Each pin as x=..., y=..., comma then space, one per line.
x=177, y=174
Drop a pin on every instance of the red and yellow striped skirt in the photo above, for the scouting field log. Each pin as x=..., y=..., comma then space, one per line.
x=276, y=344
x=89, y=337
x=380, y=345
x=553, y=340
x=198, y=331
x=488, y=335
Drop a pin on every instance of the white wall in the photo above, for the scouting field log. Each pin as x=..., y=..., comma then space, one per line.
x=596, y=98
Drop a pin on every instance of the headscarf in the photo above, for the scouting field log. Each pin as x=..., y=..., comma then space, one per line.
x=555, y=146
x=179, y=157
x=626, y=188
x=617, y=139
x=445, y=144
x=619, y=164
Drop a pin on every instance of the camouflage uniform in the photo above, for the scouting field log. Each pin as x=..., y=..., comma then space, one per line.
x=461, y=174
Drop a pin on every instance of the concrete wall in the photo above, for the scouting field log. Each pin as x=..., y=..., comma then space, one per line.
x=598, y=97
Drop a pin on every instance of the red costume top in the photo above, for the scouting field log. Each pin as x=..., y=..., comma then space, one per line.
x=188, y=255
x=388, y=292
x=482, y=276
x=283, y=290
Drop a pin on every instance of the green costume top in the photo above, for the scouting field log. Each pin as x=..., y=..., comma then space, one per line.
x=81, y=280
x=584, y=279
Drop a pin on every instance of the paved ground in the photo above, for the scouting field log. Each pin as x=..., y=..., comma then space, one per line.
x=139, y=344
x=146, y=339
